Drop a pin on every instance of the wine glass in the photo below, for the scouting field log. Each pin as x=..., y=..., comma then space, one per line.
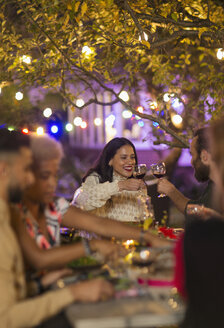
x=139, y=171
x=159, y=170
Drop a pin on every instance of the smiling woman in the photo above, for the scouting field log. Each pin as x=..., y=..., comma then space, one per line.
x=109, y=189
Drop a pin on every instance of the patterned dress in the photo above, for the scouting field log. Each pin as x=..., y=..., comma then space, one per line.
x=53, y=213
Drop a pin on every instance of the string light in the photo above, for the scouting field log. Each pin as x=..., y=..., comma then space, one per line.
x=40, y=131
x=19, y=95
x=77, y=121
x=176, y=120
x=25, y=131
x=127, y=114
x=109, y=121
x=124, y=95
x=26, y=59
x=97, y=121
x=140, y=109
x=83, y=125
x=54, y=129
x=220, y=54
x=69, y=127
x=80, y=102
x=87, y=51
x=47, y=112
x=11, y=128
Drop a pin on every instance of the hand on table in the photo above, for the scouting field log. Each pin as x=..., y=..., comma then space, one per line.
x=109, y=250
x=92, y=291
x=52, y=276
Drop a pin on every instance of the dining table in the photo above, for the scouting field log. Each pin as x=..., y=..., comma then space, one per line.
x=149, y=300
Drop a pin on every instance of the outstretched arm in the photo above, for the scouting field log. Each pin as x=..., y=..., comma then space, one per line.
x=76, y=218
x=179, y=200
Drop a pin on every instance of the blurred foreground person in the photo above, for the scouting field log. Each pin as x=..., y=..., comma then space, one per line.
x=15, y=309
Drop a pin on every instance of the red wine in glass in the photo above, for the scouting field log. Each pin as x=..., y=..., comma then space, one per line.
x=158, y=175
x=139, y=171
x=139, y=176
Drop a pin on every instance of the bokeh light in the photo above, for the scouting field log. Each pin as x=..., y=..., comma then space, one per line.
x=40, y=131
x=97, y=121
x=77, y=121
x=124, y=95
x=19, y=95
x=68, y=127
x=47, y=112
x=80, y=102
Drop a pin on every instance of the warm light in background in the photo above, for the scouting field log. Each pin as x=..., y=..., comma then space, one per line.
x=166, y=97
x=54, y=129
x=126, y=113
x=47, y=112
x=0, y=90
x=145, y=37
x=97, y=121
x=140, y=109
x=80, y=102
x=83, y=125
x=177, y=120
x=124, y=95
x=26, y=59
x=11, y=128
x=69, y=127
x=109, y=121
x=77, y=121
x=87, y=51
x=25, y=130
x=220, y=54
x=40, y=131
x=153, y=105
x=19, y=95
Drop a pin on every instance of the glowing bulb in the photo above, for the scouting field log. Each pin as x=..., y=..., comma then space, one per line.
x=25, y=130
x=153, y=105
x=83, y=125
x=68, y=127
x=40, y=131
x=80, y=102
x=26, y=59
x=87, y=51
x=220, y=54
x=145, y=37
x=166, y=97
x=97, y=121
x=109, y=121
x=124, y=95
x=127, y=114
x=140, y=109
x=77, y=121
x=11, y=128
x=54, y=129
x=141, y=123
x=177, y=119
x=19, y=95
x=47, y=112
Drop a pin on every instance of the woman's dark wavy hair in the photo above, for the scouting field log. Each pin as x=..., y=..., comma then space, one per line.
x=102, y=166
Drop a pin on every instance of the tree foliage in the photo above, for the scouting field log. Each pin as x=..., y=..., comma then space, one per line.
x=170, y=45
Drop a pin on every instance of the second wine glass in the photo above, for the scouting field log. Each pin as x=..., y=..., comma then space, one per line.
x=159, y=171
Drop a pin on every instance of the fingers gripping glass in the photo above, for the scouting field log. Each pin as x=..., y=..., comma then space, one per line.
x=159, y=171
